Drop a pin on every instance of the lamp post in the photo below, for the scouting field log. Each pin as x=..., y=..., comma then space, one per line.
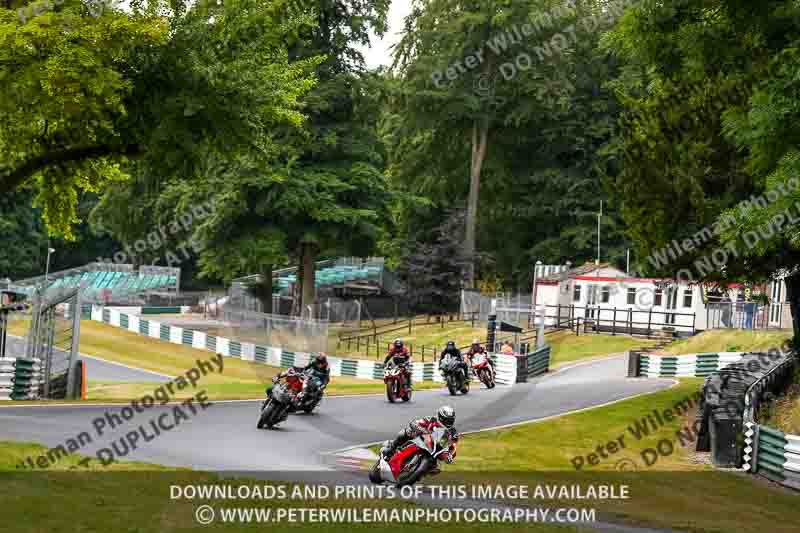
x=47, y=267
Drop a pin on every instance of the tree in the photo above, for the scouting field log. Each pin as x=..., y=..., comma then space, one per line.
x=525, y=122
x=710, y=99
x=89, y=99
x=312, y=187
x=433, y=272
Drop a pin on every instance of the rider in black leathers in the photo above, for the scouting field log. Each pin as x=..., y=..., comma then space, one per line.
x=400, y=356
x=317, y=376
x=454, y=352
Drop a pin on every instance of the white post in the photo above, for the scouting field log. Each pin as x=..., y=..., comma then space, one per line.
x=539, y=329
x=628, y=263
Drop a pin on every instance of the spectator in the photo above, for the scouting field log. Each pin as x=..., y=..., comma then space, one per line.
x=507, y=349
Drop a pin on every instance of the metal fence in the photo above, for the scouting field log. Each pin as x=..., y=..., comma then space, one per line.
x=289, y=333
x=748, y=315
x=53, y=341
x=479, y=305
x=619, y=321
x=40, y=346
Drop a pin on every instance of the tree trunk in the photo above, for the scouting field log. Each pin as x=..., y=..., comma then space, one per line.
x=793, y=297
x=480, y=134
x=309, y=288
x=297, y=292
x=265, y=291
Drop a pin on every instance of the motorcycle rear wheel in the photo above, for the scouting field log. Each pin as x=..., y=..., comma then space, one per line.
x=407, y=396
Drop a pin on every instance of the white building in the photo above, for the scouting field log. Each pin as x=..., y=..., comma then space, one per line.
x=609, y=299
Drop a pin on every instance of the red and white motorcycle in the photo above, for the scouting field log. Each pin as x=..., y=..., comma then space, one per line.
x=395, y=378
x=484, y=370
x=418, y=458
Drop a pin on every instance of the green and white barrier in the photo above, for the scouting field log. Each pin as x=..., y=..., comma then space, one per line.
x=692, y=365
x=538, y=361
x=6, y=378
x=772, y=454
x=276, y=356
x=20, y=379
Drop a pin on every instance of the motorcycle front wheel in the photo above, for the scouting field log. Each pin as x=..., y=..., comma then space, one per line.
x=416, y=468
x=451, y=386
x=391, y=391
x=269, y=416
x=375, y=474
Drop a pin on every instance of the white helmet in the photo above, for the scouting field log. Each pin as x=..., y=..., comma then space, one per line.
x=446, y=415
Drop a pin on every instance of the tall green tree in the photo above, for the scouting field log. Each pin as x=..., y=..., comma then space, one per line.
x=86, y=97
x=710, y=105
x=513, y=96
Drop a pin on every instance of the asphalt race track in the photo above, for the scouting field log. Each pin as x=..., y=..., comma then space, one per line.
x=96, y=369
x=224, y=436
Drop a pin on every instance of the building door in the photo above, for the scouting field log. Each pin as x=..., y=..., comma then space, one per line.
x=672, y=304
x=591, y=301
x=776, y=303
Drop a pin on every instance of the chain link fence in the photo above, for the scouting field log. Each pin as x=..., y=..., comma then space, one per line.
x=286, y=332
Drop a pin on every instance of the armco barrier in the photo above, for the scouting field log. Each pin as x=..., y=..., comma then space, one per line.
x=692, y=365
x=20, y=379
x=772, y=454
x=6, y=378
x=274, y=356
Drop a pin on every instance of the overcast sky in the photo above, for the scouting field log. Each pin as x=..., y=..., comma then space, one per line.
x=379, y=53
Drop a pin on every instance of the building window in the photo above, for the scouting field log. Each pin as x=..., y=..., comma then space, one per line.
x=659, y=294
x=576, y=295
x=605, y=294
x=631, y=296
x=687, y=297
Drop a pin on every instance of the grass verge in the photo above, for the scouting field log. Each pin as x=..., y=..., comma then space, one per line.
x=674, y=489
x=566, y=347
x=136, y=498
x=239, y=379
x=730, y=340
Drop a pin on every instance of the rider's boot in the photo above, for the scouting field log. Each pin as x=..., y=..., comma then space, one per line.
x=392, y=445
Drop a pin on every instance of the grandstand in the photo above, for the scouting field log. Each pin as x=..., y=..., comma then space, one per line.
x=105, y=282
x=344, y=274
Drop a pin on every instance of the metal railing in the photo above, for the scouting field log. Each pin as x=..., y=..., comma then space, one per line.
x=618, y=321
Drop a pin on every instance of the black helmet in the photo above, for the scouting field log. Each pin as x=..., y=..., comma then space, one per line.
x=476, y=342
x=321, y=360
x=451, y=344
x=446, y=415
x=398, y=343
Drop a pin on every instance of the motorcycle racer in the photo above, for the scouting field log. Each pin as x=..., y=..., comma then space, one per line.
x=477, y=350
x=445, y=417
x=317, y=375
x=455, y=353
x=400, y=356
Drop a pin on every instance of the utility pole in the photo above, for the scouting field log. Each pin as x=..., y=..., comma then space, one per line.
x=628, y=263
